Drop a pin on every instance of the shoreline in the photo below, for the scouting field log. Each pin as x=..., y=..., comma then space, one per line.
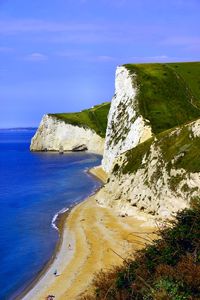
x=94, y=233
x=98, y=173
x=58, y=223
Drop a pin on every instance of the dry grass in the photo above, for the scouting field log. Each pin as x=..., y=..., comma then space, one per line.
x=169, y=268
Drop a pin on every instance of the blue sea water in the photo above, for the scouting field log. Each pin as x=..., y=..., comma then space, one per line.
x=33, y=188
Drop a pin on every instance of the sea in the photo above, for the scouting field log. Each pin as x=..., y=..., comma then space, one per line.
x=34, y=188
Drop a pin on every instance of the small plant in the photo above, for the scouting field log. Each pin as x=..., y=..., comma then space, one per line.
x=116, y=168
x=168, y=269
x=167, y=288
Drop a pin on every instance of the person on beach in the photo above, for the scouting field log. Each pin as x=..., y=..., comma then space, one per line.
x=69, y=247
x=50, y=297
x=55, y=272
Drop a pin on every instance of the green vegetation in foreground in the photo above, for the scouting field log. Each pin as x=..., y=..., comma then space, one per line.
x=94, y=118
x=177, y=145
x=169, y=94
x=168, y=269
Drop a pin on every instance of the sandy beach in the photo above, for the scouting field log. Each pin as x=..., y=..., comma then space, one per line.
x=93, y=238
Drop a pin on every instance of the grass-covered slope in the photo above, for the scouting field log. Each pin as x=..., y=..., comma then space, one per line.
x=179, y=149
x=168, y=94
x=190, y=73
x=94, y=118
x=168, y=269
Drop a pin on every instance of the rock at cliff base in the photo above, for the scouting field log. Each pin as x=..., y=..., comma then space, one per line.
x=78, y=148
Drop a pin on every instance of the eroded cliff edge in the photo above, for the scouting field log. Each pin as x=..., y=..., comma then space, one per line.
x=56, y=135
x=83, y=131
x=126, y=125
x=150, y=155
x=159, y=177
x=152, y=138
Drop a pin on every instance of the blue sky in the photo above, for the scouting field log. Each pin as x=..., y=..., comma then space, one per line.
x=59, y=56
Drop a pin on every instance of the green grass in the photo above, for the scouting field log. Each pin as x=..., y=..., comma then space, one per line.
x=168, y=94
x=167, y=269
x=183, y=146
x=179, y=146
x=190, y=73
x=94, y=118
x=134, y=158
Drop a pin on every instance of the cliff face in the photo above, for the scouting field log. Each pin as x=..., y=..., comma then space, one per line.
x=126, y=127
x=160, y=176
x=151, y=167
x=56, y=135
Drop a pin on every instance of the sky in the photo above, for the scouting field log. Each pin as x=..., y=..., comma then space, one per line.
x=61, y=55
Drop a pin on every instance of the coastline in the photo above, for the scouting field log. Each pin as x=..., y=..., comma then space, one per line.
x=58, y=223
x=99, y=174
x=93, y=233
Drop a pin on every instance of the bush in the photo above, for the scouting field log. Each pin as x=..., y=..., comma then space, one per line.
x=167, y=269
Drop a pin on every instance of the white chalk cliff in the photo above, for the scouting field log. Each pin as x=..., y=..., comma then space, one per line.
x=157, y=186
x=126, y=126
x=56, y=135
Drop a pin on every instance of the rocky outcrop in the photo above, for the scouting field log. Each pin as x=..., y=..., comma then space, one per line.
x=126, y=126
x=159, y=177
x=56, y=135
x=79, y=148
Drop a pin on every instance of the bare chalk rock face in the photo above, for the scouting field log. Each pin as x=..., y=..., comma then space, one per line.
x=56, y=135
x=159, y=177
x=126, y=126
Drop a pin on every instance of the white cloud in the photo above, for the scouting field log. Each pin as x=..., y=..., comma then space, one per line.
x=105, y=58
x=152, y=58
x=36, y=57
x=81, y=32
x=100, y=58
x=157, y=59
x=78, y=55
x=14, y=26
x=114, y=59
x=181, y=41
x=71, y=54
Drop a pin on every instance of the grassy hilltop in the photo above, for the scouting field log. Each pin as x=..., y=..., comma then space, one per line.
x=94, y=118
x=168, y=94
x=168, y=268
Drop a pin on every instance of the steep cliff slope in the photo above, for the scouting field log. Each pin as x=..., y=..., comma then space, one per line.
x=149, y=98
x=73, y=131
x=126, y=126
x=151, y=149
x=94, y=118
x=159, y=176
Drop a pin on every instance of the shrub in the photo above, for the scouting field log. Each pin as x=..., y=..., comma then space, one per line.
x=167, y=269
